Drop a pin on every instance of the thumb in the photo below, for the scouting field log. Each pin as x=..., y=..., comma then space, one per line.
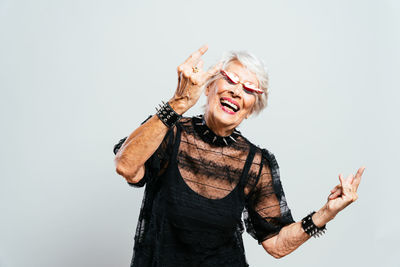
x=341, y=179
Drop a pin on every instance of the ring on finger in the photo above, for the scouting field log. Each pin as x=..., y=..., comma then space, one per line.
x=195, y=69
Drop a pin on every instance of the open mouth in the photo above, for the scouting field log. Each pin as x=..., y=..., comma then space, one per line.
x=229, y=105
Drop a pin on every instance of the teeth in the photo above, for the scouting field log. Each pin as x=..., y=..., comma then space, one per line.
x=233, y=106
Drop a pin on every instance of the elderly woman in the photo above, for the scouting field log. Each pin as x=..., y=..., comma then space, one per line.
x=201, y=174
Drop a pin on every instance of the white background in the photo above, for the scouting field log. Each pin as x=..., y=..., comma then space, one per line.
x=76, y=76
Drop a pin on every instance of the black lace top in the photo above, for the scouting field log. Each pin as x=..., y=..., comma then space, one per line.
x=198, y=186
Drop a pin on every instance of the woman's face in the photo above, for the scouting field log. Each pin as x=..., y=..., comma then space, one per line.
x=227, y=103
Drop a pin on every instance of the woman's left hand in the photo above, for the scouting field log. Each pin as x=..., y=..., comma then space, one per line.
x=344, y=193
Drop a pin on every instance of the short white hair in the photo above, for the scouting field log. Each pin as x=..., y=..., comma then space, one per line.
x=253, y=64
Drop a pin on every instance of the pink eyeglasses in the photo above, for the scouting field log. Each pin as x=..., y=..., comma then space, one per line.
x=248, y=87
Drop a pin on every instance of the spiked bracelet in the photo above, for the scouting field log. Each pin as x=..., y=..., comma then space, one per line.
x=167, y=115
x=310, y=228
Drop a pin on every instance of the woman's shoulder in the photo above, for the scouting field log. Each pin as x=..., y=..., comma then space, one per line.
x=264, y=153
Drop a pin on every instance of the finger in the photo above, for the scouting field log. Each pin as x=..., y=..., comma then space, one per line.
x=179, y=69
x=197, y=71
x=360, y=172
x=183, y=69
x=193, y=58
x=187, y=72
x=345, y=189
x=200, y=64
x=341, y=180
x=357, y=178
x=335, y=194
x=181, y=84
x=335, y=188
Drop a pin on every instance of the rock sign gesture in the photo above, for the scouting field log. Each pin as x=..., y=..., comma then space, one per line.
x=345, y=193
x=191, y=79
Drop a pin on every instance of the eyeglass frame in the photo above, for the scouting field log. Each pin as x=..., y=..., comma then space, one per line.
x=247, y=89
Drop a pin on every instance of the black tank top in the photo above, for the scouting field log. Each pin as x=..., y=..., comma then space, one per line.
x=196, y=193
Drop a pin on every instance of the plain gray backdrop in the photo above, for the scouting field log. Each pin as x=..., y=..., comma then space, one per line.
x=76, y=76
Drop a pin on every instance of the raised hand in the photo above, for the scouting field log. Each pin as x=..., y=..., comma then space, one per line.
x=191, y=78
x=344, y=193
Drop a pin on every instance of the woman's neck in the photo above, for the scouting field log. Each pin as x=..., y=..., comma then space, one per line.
x=217, y=128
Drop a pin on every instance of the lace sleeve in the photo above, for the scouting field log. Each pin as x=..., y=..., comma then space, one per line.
x=266, y=210
x=157, y=163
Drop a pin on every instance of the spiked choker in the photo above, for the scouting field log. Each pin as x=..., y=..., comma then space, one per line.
x=208, y=136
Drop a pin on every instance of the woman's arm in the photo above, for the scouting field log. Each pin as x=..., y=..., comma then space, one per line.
x=138, y=148
x=292, y=236
x=145, y=140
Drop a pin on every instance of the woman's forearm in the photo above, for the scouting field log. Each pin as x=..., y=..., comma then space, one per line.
x=289, y=238
x=140, y=145
x=138, y=148
x=292, y=236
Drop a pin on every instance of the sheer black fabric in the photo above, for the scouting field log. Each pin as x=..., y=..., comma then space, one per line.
x=196, y=193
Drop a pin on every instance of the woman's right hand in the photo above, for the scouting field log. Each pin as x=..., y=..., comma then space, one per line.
x=191, y=79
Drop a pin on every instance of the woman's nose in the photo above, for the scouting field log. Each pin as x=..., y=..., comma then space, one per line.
x=237, y=89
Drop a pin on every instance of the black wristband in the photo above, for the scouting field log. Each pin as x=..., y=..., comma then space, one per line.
x=167, y=115
x=310, y=228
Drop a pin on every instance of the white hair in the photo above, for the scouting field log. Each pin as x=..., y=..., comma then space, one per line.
x=254, y=65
